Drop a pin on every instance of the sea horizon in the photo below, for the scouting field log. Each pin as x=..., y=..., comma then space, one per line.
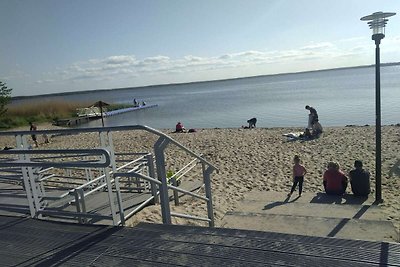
x=202, y=81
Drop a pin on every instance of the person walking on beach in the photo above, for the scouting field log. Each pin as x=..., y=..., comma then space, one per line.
x=312, y=117
x=33, y=128
x=298, y=175
x=359, y=180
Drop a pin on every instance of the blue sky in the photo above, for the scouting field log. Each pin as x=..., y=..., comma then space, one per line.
x=51, y=46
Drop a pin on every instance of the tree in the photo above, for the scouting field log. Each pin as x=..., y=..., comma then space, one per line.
x=5, y=97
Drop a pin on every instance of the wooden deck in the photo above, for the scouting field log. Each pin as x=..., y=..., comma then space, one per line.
x=29, y=242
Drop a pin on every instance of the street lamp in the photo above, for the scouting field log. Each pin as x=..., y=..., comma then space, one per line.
x=377, y=22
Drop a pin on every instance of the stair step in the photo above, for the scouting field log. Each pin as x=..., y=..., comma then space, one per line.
x=366, y=212
x=373, y=230
x=312, y=214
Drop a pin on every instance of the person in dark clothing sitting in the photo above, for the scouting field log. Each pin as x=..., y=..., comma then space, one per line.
x=359, y=180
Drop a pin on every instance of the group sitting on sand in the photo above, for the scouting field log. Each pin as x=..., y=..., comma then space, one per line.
x=314, y=127
x=334, y=180
x=179, y=128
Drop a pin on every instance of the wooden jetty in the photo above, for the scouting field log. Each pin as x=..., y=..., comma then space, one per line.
x=70, y=122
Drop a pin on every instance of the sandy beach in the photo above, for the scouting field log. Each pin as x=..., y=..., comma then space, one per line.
x=261, y=159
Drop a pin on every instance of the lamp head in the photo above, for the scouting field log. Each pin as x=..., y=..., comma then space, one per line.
x=377, y=22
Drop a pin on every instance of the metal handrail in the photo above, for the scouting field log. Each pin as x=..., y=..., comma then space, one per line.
x=159, y=183
x=179, y=174
x=115, y=128
x=104, y=162
x=103, y=176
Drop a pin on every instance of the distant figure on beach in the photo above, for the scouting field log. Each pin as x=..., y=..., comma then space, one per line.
x=298, y=175
x=316, y=129
x=179, y=128
x=33, y=128
x=135, y=102
x=335, y=181
x=46, y=138
x=312, y=117
x=306, y=135
x=359, y=180
x=252, y=122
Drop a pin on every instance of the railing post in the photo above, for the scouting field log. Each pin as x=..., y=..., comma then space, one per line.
x=207, y=185
x=176, y=193
x=152, y=174
x=110, y=195
x=81, y=195
x=159, y=147
x=77, y=204
x=119, y=199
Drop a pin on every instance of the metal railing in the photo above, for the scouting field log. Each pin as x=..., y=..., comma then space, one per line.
x=148, y=172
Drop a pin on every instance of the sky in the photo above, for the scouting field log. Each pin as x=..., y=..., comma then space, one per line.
x=52, y=46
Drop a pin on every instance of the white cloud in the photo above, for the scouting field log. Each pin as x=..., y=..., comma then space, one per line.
x=120, y=60
x=161, y=68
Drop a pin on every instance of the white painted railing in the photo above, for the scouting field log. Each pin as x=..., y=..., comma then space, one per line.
x=37, y=167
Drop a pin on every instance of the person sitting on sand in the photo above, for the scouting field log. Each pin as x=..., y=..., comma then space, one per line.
x=252, y=122
x=306, y=135
x=316, y=129
x=298, y=175
x=179, y=128
x=312, y=117
x=359, y=180
x=335, y=182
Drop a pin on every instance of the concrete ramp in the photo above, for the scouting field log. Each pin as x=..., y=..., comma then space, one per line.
x=313, y=215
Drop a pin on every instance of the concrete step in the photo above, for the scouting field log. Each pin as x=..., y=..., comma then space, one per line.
x=313, y=226
x=313, y=215
x=310, y=204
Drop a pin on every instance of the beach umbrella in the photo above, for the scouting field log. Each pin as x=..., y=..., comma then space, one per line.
x=100, y=104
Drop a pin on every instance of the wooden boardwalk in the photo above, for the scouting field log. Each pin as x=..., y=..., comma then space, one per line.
x=29, y=242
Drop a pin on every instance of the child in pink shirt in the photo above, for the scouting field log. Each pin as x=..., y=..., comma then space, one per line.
x=298, y=175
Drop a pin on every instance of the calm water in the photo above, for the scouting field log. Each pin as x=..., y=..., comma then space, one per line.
x=341, y=97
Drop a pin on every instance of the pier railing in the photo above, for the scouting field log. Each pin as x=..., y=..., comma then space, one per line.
x=54, y=183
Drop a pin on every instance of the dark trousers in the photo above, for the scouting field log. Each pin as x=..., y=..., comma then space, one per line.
x=298, y=180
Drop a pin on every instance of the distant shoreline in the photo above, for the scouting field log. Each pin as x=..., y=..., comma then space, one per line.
x=199, y=82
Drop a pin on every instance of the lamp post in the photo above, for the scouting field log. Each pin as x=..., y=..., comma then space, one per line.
x=377, y=22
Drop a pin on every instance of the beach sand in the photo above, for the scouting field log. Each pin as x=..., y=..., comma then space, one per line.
x=262, y=159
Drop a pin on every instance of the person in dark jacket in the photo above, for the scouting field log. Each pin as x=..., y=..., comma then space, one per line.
x=312, y=117
x=360, y=180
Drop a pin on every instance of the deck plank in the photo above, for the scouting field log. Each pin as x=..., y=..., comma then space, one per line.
x=27, y=242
